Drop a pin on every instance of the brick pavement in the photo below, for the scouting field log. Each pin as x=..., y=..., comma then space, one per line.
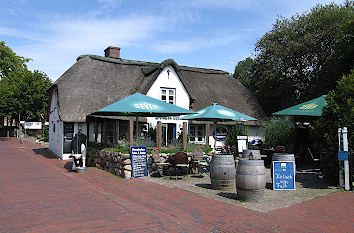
x=38, y=193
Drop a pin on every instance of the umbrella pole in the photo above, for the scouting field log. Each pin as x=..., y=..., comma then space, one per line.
x=214, y=134
x=137, y=127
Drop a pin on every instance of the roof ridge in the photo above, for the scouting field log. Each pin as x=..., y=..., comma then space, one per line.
x=119, y=60
x=153, y=64
x=203, y=70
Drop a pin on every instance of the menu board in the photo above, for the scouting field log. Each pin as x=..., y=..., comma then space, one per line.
x=284, y=175
x=139, y=161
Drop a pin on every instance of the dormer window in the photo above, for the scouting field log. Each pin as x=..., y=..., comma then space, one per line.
x=168, y=95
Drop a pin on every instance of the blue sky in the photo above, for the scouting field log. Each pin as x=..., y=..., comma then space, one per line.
x=201, y=33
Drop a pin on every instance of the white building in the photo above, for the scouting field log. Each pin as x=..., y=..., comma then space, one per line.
x=94, y=82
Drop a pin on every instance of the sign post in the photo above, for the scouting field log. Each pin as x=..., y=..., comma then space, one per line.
x=33, y=125
x=343, y=158
x=139, y=161
x=284, y=175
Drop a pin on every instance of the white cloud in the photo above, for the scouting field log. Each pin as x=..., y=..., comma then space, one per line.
x=226, y=4
x=106, y=7
x=6, y=31
x=81, y=34
x=110, y=2
x=63, y=40
x=191, y=45
x=270, y=8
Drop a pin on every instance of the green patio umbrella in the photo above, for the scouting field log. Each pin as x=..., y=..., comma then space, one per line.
x=140, y=105
x=216, y=113
x=309, y=108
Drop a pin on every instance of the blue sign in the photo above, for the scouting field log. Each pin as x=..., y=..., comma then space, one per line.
x=342, y=155
x=284, y=175
x=139, y=161
x=220, y=137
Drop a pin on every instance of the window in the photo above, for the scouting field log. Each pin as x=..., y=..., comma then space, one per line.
x=168, y=95
x=197, y=133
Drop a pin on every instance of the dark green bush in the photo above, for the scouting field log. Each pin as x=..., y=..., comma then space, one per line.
x=279, y=131
x=44, y=139
x=338, y=113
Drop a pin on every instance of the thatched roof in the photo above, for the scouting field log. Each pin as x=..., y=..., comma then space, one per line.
x=94, y=82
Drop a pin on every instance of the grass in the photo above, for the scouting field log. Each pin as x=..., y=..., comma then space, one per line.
x=199, y=194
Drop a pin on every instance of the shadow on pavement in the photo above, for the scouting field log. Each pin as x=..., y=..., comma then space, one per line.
x=197, y=176
x=310, y=178
x=68, y=166
x=45, y=153
x=50, y=155
x=269, y=186
x=206, y=186
x=232, y=196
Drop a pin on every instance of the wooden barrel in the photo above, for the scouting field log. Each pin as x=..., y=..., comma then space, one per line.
x=282, y=157
x=250, y=180
x=251, y=154
x=222, y=172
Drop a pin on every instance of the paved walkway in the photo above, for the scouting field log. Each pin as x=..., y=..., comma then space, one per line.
x=38, y=193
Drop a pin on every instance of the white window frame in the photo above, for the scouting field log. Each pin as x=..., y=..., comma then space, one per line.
x=168, y=92
x=197, y=132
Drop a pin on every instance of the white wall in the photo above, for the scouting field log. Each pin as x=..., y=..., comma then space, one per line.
x=91, y=137
x=55, y=136
x=255, y=132
x=171, y=80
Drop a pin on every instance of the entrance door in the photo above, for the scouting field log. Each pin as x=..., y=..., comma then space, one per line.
x=168, y=134
x=68, y=137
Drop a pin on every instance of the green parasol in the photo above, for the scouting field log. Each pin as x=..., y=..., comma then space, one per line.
x=216, y=113
x=140, y=105
x=309, y=108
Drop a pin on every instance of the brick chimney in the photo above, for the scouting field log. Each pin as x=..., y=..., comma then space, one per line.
x=113, y=52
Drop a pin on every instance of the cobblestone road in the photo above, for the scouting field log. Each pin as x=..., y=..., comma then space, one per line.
x=38, y=193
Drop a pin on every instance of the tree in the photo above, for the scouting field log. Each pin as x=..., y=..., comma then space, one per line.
x=244, y=71
x=302, y=57
x=21, y=91
x=338, y=113
x=10, y=63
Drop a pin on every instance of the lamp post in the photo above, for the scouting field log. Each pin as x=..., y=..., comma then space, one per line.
x=20, y=128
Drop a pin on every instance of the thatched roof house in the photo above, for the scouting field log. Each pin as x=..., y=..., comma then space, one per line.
x=94, y=82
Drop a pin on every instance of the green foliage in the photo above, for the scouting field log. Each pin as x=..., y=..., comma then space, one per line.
x=279, y=131
x=301, y=58
x=21, y=91
x=44, y=139
x=338, y=113
x=166, y=151
x=244, y=71
x=45, y=130
x=231, y=138
x=146, y=142
x=10, y=63
x=123, y=147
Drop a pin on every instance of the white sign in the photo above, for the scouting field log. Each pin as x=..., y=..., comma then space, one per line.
x=33, y=125
x=147, y=106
